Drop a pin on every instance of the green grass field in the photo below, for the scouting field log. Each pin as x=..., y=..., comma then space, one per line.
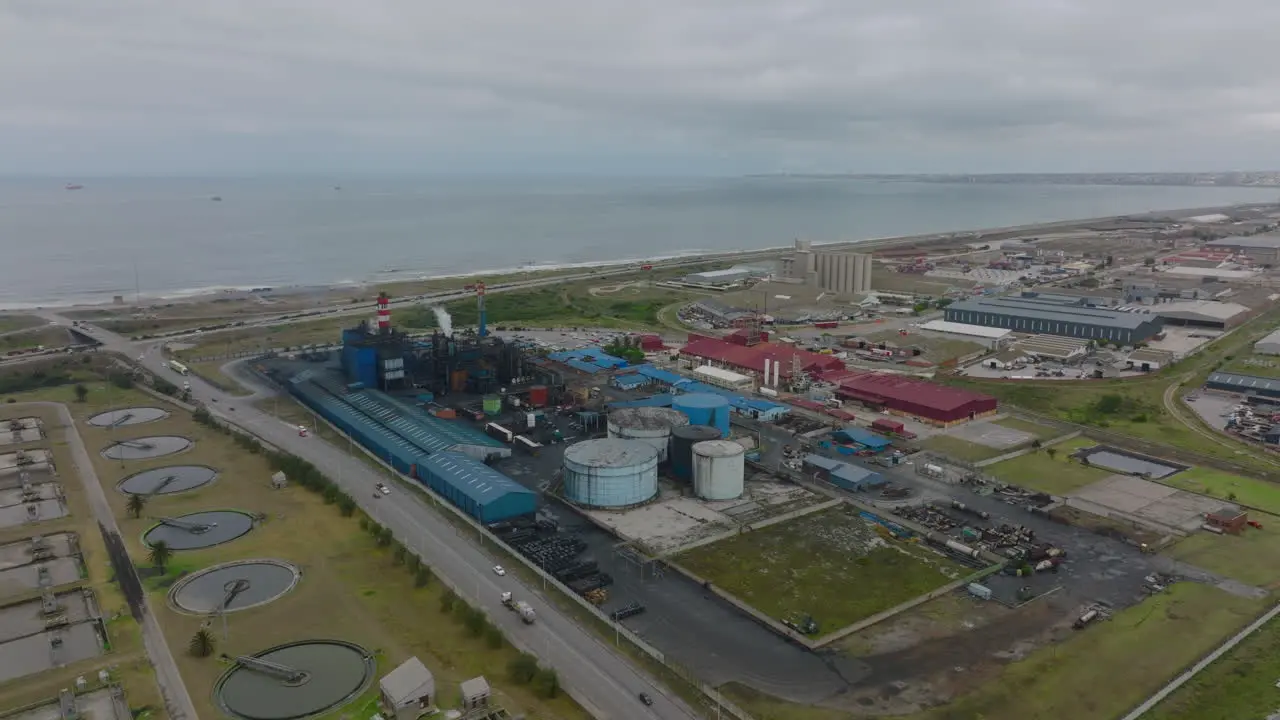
x=1252, y=557
x=1057, y=475
x=1099, y=672
x=809, y=566
x=10, y=323
x=1216, y=483
x=1241, y=684
x=1257, y=365
x=962, y=449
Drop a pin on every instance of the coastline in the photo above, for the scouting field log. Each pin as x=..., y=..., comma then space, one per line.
x=393, y=277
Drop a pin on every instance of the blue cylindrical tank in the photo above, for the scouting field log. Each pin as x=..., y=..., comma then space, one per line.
x=705, y=409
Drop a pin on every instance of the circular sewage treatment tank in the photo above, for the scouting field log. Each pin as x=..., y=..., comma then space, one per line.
x=610, y=473
x=326, y=675
x=200, y=530
x=127, y=416
x=145, y=448
x=241, y=585
x=650, y=425
x=167, y=480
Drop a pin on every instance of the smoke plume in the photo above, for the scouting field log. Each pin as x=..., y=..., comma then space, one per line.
x=443, y=320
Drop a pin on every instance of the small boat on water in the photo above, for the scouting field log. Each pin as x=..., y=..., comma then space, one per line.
x=73, y=186
x=216, y=198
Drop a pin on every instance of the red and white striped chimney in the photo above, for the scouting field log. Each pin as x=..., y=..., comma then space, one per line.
x=384, y=313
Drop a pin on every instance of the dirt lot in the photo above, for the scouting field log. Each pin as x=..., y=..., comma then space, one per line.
x=807, y=566
x=350, y=589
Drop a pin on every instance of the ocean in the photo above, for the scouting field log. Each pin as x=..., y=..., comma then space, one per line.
x=72, y=246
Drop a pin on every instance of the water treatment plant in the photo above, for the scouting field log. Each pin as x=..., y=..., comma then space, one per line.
x=296, y=680
x=233, y=586
x=146, y=448
x=196, y=531
x=128, y=416
x=167, y=480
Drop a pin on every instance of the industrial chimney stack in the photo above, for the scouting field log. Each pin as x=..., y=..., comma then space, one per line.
x=483, y=326
x=384, y=314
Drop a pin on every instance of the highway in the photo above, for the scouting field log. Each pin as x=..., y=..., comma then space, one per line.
x=599, y=677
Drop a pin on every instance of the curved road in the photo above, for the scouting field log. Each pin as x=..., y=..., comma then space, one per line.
x=600, y=678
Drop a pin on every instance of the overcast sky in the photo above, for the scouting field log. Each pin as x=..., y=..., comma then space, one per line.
x=637, y=86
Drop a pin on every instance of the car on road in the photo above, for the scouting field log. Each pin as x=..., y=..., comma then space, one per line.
x=302, y=431
x=644, y=698
x=499, y=570
x=382, y=489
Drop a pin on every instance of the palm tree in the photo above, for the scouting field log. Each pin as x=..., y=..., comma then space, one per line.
x=137, y=503
x=160, y=555
x=202, y=644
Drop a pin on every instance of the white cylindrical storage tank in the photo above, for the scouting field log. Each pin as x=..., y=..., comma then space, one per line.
x=610, y=473
x=650, y=425
x=719, y=469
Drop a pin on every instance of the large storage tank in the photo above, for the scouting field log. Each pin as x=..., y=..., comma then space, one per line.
x=682, y=441
x=649, y=424
x=610, y=473
x=719, y=469
x=705, y=409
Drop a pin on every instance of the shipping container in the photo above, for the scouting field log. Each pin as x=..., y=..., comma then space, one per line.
x=445, y=413
x=497, y=431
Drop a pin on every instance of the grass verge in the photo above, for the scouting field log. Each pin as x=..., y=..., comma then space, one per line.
x=1252, y=557
x=1051, y=472
x=1234, y=488
x=808, y=566
x=963, y=449
x=1241, y=684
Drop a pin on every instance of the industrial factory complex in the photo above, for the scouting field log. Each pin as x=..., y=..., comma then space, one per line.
x=812, y=456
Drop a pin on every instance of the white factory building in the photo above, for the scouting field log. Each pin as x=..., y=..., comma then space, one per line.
x=989, y=336
x=723, y=378
x=1269, y=345
x=718, y=278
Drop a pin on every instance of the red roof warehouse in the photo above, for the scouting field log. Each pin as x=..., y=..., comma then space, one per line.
x=910, y=396
x=750, y=358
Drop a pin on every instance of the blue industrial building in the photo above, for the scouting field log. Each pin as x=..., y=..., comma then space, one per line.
x=1047, y=314
x=863, y=437
x=444, y=455
x=652, y=401
x=842, y=474
x=482, y=492
x=589, y=360
x=631, y=381
x=1246, y=384
x=762, y=410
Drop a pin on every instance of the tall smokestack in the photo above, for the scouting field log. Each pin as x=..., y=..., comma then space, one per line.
x=384, y=314
x=483, y=327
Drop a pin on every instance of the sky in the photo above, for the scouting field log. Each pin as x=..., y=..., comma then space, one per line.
x=620, y=87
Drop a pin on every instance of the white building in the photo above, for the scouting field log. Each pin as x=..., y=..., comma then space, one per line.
x=1269, y=345
x=989, y=336
x=408, y=691
x=723, y=378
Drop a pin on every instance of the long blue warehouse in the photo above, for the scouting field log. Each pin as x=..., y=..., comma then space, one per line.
x=482, y=492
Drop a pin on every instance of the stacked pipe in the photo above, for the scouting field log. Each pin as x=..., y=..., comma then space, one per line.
x=384, y=313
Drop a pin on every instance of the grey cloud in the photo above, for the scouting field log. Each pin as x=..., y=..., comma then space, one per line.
x=726, y=85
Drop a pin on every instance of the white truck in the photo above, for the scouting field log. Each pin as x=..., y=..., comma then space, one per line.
x=519, y=607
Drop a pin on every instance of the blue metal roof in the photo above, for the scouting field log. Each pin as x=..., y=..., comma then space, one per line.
x=448, y=429
x=479, y=482
x=1246, y=382
x=590, y=359
x=685, y=385
x=862, y=436
x=654, y=401
x=627, y=382
x=1049, y=309
x=843, y=473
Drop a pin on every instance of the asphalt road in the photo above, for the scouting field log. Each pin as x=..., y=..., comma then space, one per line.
x=174, y=691
x=598, y=676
